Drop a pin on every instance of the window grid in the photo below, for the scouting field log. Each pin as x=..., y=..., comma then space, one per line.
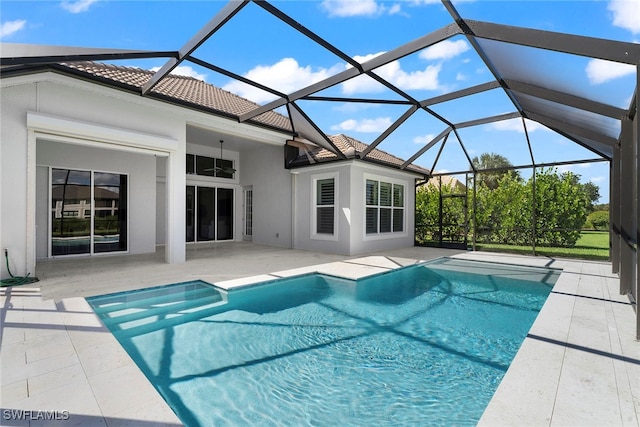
x=209, y=166
x=325, y=206
x=384, y=211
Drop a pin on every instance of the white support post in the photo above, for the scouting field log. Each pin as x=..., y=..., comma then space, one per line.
x=175, y=240
x=30, y=253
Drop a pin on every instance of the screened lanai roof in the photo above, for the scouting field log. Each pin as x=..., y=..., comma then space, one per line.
x=522, y=78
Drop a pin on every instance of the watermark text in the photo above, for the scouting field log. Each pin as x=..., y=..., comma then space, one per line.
x=31, y=415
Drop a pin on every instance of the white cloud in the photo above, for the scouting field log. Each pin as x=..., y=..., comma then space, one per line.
x=575, y=168
x=426, y=79
x=9, y=27
x=395, y=9
x=567, y=168
x=354, y=107
x=626, y=14
x=78, y=6
x=516, y=126
x=461, y=77
x=349, y=8
x=377, y=125
x=600, y=71
x=346, y=8
x=446, y=49
x=423, y=140
x=595, y=179
x=185, y=70
x=286, y=76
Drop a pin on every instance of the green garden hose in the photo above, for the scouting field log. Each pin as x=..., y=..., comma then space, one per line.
x=15, y=280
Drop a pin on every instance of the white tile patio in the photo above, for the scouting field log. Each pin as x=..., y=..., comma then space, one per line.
x=579, y=365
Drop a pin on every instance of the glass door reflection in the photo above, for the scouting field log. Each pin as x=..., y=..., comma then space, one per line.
x=110, y=212
x=225, y=214
x=70, y=212
x=209, y=214
x=206, y=213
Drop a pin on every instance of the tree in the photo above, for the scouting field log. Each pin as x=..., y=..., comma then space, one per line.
x=503, y=214
x=561, y=208
x=599, y=220
x=496, y=166
x=428, y=212
x=592, y=193
x=590, y=190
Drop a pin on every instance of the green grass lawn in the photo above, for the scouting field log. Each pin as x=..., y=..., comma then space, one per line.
x=592, y=245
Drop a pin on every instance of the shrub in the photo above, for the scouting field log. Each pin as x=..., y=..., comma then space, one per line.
x=599, y=220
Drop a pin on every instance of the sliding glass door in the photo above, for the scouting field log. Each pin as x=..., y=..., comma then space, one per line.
x=209, y=212
x=110, y=212
x=224, y=221
x=70, y=212
x=88, y=212
x=206, y=214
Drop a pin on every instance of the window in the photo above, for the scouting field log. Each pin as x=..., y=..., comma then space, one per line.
x=324, y=207
x=325, y=199
x=205, y=166
x=384, y=211
x=209, y=166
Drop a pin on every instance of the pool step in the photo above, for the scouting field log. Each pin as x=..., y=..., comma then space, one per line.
x=153, y=307
x=155, y=311
x=120, y=302
x=148, y=325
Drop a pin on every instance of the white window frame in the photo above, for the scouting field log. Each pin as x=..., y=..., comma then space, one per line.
x=314, y=216
x=384, y=235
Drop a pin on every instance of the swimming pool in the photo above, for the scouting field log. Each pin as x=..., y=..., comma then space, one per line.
x=426, y=344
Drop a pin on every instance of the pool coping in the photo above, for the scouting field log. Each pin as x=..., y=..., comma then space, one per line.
x=550, y=382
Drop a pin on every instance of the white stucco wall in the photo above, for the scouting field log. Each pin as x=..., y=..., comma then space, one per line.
x=14, y=103
x=351, y=237
x=305, y=203
x=152, y=128
x=264, y=169
x=101, y=109
x=141, y=171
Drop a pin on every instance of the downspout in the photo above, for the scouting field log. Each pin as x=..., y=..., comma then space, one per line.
x=416, y=185
x=293, y=208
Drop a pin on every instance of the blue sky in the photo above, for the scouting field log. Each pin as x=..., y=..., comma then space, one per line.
x=258, y=46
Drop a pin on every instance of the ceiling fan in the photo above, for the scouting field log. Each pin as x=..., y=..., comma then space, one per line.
x=226, y=169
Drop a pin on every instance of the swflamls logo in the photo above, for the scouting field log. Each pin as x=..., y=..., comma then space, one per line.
x=31, y=415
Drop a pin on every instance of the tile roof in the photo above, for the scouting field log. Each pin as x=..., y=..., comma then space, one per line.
x=189, y=90
x=351, y=147
x=446, y=180
x=183, y=89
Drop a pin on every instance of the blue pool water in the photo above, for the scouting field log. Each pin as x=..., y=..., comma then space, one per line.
x=423, y=345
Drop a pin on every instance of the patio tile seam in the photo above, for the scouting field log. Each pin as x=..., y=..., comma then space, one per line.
x=619, y=369
x=562, y=367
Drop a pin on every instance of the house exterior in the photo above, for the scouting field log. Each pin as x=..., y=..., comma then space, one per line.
x=89, y=167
